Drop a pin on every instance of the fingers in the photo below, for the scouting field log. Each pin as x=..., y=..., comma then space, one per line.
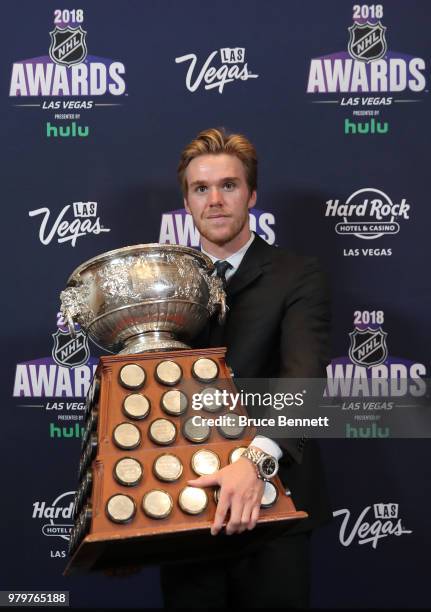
x=220, y=515
x=253, y=518
x=236, y=510
x=245, y=518
x=249, y=518
x=204, y=481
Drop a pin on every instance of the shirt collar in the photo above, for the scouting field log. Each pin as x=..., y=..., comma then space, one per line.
x=235, y=259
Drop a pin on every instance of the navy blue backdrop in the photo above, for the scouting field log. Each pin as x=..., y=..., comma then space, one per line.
x=335, y=97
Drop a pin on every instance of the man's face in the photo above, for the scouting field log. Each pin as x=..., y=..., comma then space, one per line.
x=218, y=197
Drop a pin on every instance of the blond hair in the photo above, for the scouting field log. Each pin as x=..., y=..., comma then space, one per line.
x=215, y=141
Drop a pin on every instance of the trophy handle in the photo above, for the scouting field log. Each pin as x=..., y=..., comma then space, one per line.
x=222, y=308
x=70, y=323
x=73, y=306
x=217, y=299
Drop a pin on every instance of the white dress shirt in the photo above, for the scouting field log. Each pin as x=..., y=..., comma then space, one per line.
x=266, y=444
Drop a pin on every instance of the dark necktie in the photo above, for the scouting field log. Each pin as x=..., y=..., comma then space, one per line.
x=222, y=267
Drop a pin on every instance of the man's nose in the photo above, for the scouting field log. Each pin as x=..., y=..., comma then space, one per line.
x=215, y=197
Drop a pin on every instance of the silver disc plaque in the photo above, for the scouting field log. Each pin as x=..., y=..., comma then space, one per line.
x=168, y=467
x=193, y=500
x=233, y=429
x=236, y=453
x=120, y=508
x=174, y=402
x=205, y=370
x=127, y=436
x=157, y=504
x=162, y=431
x=195, y=433
x=212, y=399
x=216, y=495
x=205, y=462
x=270, y=495
x=132, y=376
x=136, y=406
x=128, y=471
x=168, y=372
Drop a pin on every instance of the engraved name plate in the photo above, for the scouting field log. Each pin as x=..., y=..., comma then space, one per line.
x=168, y=372
x=127, y=436
x=195, y=433
x=193, y=500
x=132, y=376
x=128, y=471
x=174, y=402
x=136, y=406
x=120, y=508
x=205, y=462
x=205, y=370
x=162, y=431
x=168, y=467
x=157, y=504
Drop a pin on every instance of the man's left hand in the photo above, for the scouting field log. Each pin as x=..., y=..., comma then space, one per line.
x=240, y=492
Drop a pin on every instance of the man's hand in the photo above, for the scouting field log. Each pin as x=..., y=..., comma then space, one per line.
x=240, y=491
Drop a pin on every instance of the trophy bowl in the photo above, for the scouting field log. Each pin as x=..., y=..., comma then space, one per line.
x=141, y=298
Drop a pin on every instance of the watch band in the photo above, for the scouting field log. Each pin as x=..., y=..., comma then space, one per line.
x=255, y=455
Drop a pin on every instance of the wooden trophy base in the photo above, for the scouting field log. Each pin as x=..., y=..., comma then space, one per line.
x=99, y=540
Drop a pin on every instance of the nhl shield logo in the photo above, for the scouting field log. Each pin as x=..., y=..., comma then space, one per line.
x=368, y=346
x=68, y=351
x=367, y=41
x=68, y=46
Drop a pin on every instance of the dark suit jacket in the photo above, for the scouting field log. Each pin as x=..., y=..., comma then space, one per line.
x=277, y=326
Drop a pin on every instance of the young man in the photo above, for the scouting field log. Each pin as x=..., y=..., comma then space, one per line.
x=277, y=327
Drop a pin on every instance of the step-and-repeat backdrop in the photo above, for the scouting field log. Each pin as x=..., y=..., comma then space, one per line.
x=97, y=101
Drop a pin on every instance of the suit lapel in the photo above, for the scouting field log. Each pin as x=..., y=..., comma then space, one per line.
x=256, y=259
x=252, y=266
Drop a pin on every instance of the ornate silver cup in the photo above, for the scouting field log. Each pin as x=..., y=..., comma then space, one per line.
x=143, y=298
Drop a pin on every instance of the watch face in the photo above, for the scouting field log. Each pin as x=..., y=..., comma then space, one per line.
x=268, y=467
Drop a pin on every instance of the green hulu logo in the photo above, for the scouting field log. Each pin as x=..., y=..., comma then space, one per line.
x=367, y=432
x=369, y=127
x=71, y=431
x=67, y=131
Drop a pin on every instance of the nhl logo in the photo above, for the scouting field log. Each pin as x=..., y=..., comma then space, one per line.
x=367, y=41
x=368, y=346
x=68, y=351
x=68, y=46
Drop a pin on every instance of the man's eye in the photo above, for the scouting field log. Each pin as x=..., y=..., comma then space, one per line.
x=201, y=189
x=229, y=186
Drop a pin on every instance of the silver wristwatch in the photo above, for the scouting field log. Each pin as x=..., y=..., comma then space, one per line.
x=266, y=465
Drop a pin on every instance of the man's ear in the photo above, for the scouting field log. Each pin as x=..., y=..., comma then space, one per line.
x=253, y=199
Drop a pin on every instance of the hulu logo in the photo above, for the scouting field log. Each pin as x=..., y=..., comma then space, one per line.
x=368, y=127
x=67, y=131
x=367, y=432
x=72, y=431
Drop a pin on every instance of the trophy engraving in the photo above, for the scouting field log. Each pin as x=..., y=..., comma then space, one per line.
x=168, y=467
x=157, y=504
x=193, y=500
x=136, y=406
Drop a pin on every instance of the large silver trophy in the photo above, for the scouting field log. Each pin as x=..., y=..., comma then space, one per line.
x=140, y=445
x=143, y=298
